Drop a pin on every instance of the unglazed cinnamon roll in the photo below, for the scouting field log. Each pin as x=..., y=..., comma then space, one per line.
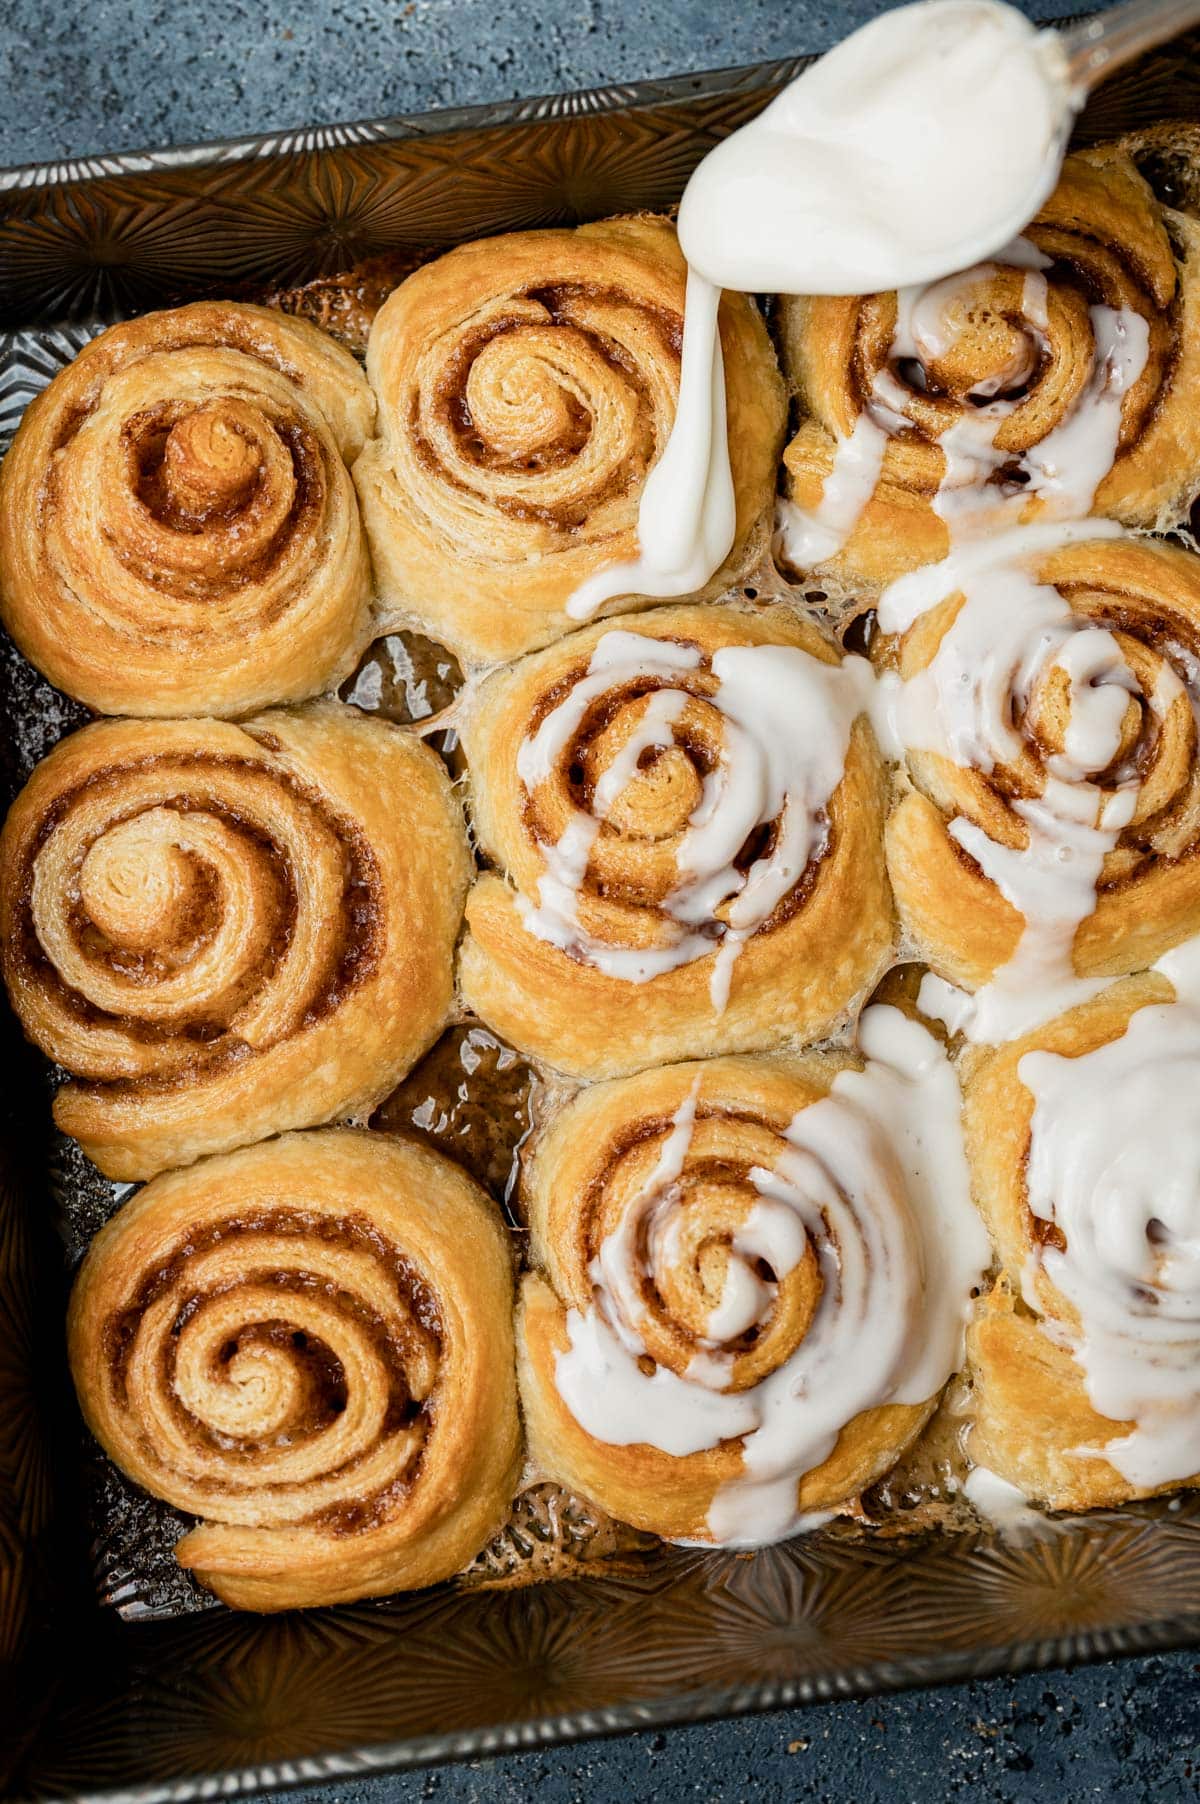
x=1056, y=380
x=1084, y=1140
x=223, y=931
x=752, y=1285
x=308, y=1345
x=179, y=532
x=1048, y=708
x=526, y=386
x=687, y=808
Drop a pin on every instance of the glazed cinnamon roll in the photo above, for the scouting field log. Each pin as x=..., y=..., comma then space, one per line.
x=223, y=931
x=179, y=532
x=526, y=386
x=750, y=1293
x=686, y=810
x=1056, y=380
x=1052, y=827
x=308, y=1345
x=1085, y=1151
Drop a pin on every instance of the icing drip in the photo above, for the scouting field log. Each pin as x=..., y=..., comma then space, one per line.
x=1114, y=1163
x=1011, y=636
x=831, y=190
x=873, y=1178
x=687, y=513
x=923, y=313
x=785, y=732
x=908, y=597
x=1181, y=968
x=807, y=536
x=1070, y=463
x=1004, y=1506
x=984, y=488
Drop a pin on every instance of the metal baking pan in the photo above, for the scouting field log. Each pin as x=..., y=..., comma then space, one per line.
x=195, y=1704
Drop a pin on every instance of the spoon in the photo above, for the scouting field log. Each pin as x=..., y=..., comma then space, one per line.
x=1095, y=48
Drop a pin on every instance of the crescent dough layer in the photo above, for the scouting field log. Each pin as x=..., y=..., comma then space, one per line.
x=225, y=931
x=526, y=385
x=179, y=533
x=1109, y=242
x=309, y=1346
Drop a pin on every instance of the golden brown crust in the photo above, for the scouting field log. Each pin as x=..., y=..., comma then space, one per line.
x=1148, y=898
x=226, y=931
x=308, y=1345
x=791, y=981
x=1110, y=242
x=179, y=532
x=586, y=1172
x=526, y=386
x=1032, y=1411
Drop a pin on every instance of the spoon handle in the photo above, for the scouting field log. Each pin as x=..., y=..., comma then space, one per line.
x=1098, y=46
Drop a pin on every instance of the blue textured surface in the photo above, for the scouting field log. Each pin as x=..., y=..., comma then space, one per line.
x=78, y=78
x=93, y=75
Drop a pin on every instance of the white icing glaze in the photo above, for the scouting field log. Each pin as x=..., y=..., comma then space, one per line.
x=842, y=186
x=874, y=1177
x=1070, y=463
x=984, y=488
x=908, y=597
x=926, y=320
x=890, y=161
x=687, y=515
x=1114, y=1162
x=613, y=1268
x=1181, y=968
x=1011, y=633
x=807, y=536
x=1004, y=1506
x=774, y=1233
x=786, y=730
x=945, y=1002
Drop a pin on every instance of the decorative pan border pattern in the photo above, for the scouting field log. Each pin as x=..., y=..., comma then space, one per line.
x=215, y=1704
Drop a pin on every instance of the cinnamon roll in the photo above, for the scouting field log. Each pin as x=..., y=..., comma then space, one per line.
x=224, y=931
x=753, y=1283
x=686, y=810
x=308, y=1345
x=527, y=385
x=1048, y=709
x=179, y=532
x=1085, y=1148
x=1056, y=380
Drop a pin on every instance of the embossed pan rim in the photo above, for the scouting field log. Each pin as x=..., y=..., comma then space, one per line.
x=682, y=1707
x=679, y=1710
x=544, y=109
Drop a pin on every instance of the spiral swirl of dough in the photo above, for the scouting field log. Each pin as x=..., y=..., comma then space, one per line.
x=688, y=807
x=997, y=378
x=179, y=532
x=1084, y=1144
x=1074, y=710
x=715, y=1238
x=308, y=1345
x=224, y=931
x=526, y=386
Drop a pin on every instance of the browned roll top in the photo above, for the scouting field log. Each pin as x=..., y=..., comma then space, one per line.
x=183, y=1330
x=517, y=396
x=227, y=930
x=1147, y=595
x=527, y=386
x=1021, y=330
x=608, y=949
x=308, y=1345
x=180, y=533
x=176, y=868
